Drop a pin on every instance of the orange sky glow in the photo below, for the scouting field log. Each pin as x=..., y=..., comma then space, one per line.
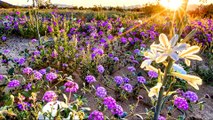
x=90, y=3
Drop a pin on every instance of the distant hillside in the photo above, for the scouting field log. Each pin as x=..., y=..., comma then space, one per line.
x=6, y=5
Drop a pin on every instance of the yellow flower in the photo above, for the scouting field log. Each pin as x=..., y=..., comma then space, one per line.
x=168, y=48
x=150, y=56
x=194, y=81
x=154, y=91
x=169, y=93
x=151, y=68
x=188, y=54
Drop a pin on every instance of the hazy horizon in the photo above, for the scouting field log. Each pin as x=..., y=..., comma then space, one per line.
x=90, y=3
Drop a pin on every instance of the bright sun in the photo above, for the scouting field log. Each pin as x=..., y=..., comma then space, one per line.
x=171, y=4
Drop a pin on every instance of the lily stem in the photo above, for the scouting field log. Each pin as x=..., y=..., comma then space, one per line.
x=162, y=89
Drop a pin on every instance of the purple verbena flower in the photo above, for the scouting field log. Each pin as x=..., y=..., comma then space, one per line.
x=181, y=103
x=109, y=102
x=131, y=69
x=116, y=59
x=49, y=96
x=50, y=29
x=71, y=86
x=27, y=70
x=36, y=53
x=42, y=71
x=13, y=84
x=126, y=79
x=1, y=77
x=101, y=92
x=90, y=79
x=161, y=118
x=118, y=80
x=152, y=74
x=37, y=75
x=54, y=54
x=28, y=87
x=51, y=76
x=23, y=106
x=128, y=87
x=96, y=115
x=192, y=96
x=100, y=69
x=118, y=110
x=6, y=51
x=3, y=38
x=141, y=79
x=21, y=61
x=33, y=40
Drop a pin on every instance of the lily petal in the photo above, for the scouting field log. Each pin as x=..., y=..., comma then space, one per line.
x=194, y=81
x=174, y=40
x=161, y=58
x=179, y=69
x=194, y=57
x=174, y=56
x=151, y=68
x=154, y=91
x=157, y=47
x=146, y=63
x=180, y=47
x=191, y=50
x=164, y=40
x=188, y=62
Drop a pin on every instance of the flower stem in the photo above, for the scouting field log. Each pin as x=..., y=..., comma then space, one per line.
x=162, y=89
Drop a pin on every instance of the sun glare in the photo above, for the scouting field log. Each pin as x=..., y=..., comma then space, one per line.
x=171, y=4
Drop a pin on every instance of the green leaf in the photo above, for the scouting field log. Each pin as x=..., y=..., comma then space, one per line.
x=26, y=94
x=10, y=101
x=11, y=71
x=75, y=107
x=189, y=36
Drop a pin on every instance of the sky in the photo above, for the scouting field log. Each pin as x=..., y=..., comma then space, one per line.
x=90, y=3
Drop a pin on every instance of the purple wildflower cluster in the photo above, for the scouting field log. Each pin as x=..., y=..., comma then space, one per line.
x=118, y=110
x=161, y=118
x=100, y=69
x=37, y=75
x=191, y=96
x=49, y=96
x=96, y=115
x=131, y=69
x=27, y=70
x=203, y=27
x=118, y=80
x=51, y=76
x=71, y=86
x=111, y=104
x=1, y=77
x=152, y=74
x=23, y=106
x=101, y=92
x=128, y=87
x=13, y=84
x=141, y=79
x=90, y=79
x=181, y=103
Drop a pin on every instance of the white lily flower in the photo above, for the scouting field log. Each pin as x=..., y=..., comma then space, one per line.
x=168, y=48
x=52, y=108
x=154, y=91
x=150, y=56
x=179, y=69
x=189, y=54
